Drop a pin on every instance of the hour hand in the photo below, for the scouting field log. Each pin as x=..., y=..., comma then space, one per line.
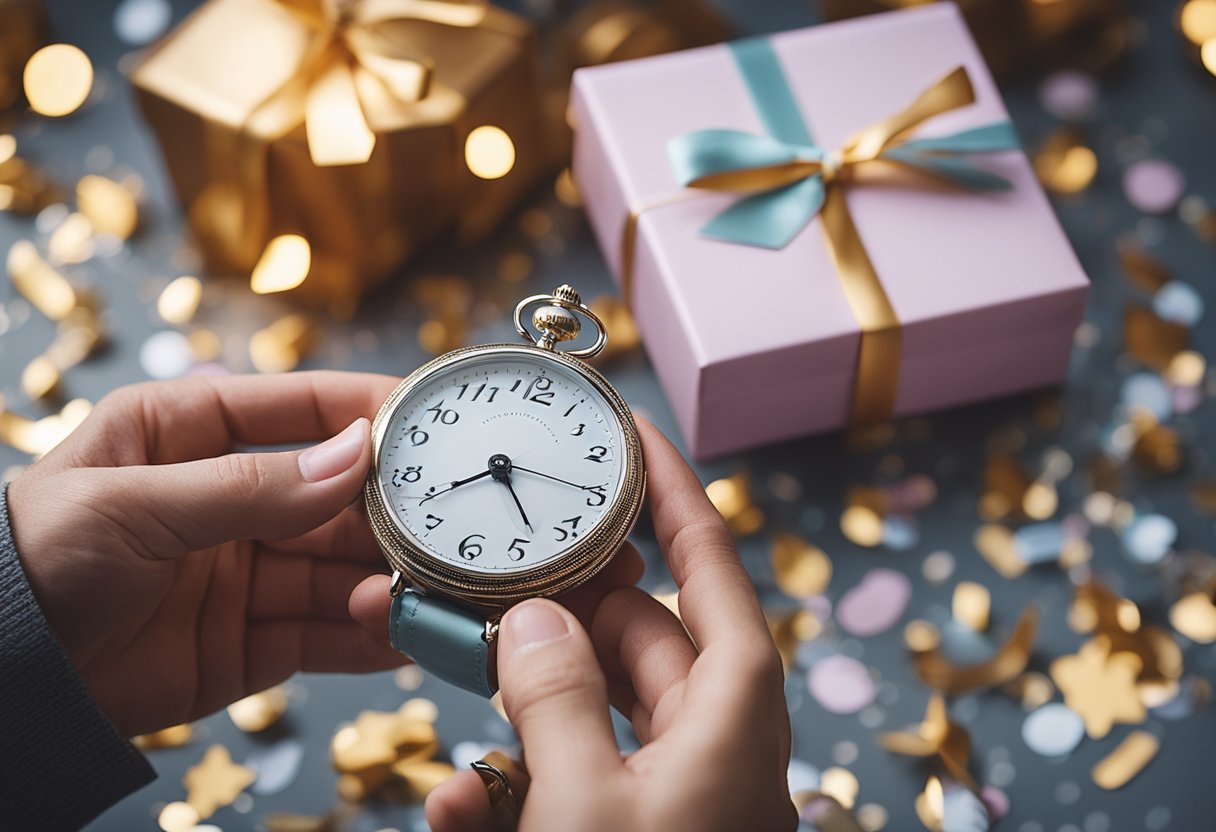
x=455, y=484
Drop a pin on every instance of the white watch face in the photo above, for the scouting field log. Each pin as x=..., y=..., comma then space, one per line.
x=502, y=463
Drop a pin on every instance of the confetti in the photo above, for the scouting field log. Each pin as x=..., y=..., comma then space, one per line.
x=1064, y=164
x=1179, y=303
x=732, y=498
x=876, y=604
x=1053, y=730
x=1194, y=616
x=489, y=152
x=281, y=346
x=276, y=766
x=936, y=736
x=260, y=710
x=1128, y=759
x=1100, y=686
x=109, y=206
x=174, y=736
x=841, y=685
x=801, y=569
x=166, y=354
x=841, y=785
x=862, y=525
x=940, y=674
x=57, y=79
x=215, y=781
x=971, y=605
x=284, y=265
x=1143, y=271
x=1069, y=95
x=179, y=300
x=139, y=22
x=1149, y=537
x=178, y=817
x=1154, y=186
x=39, y=283
x=1150, y=339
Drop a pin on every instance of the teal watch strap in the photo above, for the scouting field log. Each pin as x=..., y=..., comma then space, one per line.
x=444, y=639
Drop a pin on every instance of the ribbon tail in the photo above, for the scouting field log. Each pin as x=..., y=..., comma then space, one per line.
x=876, y=384
x=337, y=130
x=770, y=219
x=989, y=138
x=955, y=170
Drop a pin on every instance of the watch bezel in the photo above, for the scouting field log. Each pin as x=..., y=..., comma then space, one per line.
x=497, y=591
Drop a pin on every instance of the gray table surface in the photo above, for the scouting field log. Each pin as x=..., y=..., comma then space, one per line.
x=1158, y=97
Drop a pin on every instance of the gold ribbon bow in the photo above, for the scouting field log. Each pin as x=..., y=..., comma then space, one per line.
x=885, y=142
x=350, y=51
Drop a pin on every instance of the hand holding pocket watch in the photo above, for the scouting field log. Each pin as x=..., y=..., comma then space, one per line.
x=500, y=472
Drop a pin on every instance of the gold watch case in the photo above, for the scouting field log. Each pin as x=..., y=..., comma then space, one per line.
x=497, y=592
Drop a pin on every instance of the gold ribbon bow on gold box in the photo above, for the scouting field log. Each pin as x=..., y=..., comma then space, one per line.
x=343, y=123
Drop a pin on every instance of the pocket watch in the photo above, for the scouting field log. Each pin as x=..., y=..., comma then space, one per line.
x=499, y=472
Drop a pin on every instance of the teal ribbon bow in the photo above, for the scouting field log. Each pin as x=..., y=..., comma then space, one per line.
x=789, y=174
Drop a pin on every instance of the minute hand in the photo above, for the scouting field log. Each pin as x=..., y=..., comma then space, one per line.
x=551, y=477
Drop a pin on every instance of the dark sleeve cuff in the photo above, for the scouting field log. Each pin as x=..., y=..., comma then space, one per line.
x=61, y=762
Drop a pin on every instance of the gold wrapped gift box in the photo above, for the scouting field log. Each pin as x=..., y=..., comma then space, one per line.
x=22, y=31
x=344, y=124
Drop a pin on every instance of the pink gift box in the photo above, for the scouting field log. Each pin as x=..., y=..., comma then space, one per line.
x=755, y=345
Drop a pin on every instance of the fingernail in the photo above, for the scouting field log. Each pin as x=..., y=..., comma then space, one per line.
x=531, y=625
x=336, y=454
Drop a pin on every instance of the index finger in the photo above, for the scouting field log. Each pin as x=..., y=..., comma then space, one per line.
x=195, y=418
x=717, y=601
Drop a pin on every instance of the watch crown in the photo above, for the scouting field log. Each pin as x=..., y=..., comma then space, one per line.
x=567, y=293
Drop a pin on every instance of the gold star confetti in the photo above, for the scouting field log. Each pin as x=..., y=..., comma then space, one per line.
x=259, y=711
x=1100, y=686
x=216, y=781
x=1128, y=759
x=801, y=569
x=936, y=736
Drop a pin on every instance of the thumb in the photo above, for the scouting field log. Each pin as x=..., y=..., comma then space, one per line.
x=554, y=693
x=195, y=505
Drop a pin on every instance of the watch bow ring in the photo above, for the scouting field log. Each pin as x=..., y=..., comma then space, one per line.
x=500, y=472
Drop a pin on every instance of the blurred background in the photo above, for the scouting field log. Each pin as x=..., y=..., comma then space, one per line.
x=892, y=565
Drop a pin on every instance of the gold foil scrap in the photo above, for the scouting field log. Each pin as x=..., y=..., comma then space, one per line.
x=40, y=379
x=1143, y=270
x=215, y=781
x=281, y=346
x=1158, y=450
x=1128, y=759
x=421, y=777
x=1100, y=686
x=38, y=282
x=862, y=525
x=800, y=568
x=110, y=207
x=1010, y=660
x=921, y=636
x=931, y=805
x=1064, y=163
x=995, y=543
x=1151, y=340
x=936, y=736
x=732, y=498
x=259, y=711
x=174, y=736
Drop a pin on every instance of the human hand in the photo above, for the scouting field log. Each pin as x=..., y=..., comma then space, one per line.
x=707, y=702
x=181, y=576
